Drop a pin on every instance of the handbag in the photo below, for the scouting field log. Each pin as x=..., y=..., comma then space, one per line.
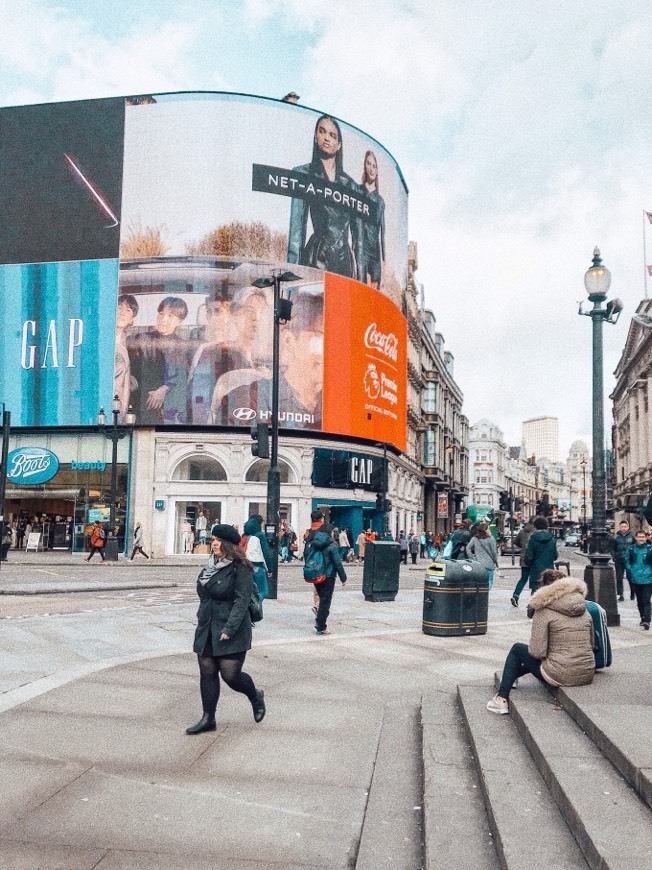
x=255, y=605
x=448, y=549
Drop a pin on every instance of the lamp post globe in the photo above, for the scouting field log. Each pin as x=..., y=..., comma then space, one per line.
x=597, y=279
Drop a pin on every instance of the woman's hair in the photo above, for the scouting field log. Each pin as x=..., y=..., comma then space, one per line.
x=540, y=523
x=315, y=163
x=482, y=531
x=549, y=576
x=234, y=552
x=364, y=169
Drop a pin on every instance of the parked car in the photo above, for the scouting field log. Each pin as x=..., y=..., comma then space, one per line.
x=572, y=540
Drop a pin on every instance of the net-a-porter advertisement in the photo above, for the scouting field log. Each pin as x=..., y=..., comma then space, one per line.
x=199, y=195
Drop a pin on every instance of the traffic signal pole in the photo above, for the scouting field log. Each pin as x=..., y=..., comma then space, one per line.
x=6, y=425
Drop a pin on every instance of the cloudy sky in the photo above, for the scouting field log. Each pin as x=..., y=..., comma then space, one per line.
x=522, y=129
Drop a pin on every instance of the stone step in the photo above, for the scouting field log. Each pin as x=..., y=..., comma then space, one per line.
x=457, y=833
x=612, y=826
x=616, y=712
x=392, y=828
x=528, y=829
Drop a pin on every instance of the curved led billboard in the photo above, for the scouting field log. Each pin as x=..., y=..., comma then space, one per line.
x=140, y=280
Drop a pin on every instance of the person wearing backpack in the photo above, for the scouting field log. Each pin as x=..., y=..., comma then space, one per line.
x=98, y=536
x=256, y=548
x=321, y=563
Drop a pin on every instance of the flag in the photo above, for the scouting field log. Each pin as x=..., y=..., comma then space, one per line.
x=649, y=270
x=649, y=216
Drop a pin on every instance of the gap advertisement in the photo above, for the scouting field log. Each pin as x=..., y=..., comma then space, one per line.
x=130, y=267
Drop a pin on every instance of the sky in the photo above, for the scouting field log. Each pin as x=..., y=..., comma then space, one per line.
x=520, y=129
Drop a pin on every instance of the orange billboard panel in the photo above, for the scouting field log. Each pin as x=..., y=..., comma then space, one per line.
x=365, y=363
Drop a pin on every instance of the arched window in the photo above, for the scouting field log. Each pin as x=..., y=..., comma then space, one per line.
x=199, y=468
x=257, y=472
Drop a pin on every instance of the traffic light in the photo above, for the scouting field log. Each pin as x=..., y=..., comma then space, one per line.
x=504, y=502
x=379, y=502
x=260, y=436
x=518, y=504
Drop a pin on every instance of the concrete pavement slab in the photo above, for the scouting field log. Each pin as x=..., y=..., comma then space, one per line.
x=215, y=821
x=28, y=780
x=20, y=856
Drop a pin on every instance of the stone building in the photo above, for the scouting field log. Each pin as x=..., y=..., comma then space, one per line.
x=632, y=424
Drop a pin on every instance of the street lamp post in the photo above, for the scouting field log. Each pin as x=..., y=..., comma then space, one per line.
x=114, y=433
x=282, y=313
x=583, y=463
x=599, y=574
x=6, y=429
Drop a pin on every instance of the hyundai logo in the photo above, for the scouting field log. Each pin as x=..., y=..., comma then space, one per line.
x=245, y=414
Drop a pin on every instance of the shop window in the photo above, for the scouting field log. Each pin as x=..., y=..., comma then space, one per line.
x=257, y=473
x=199, y=468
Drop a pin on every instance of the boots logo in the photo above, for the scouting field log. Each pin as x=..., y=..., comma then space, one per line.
x=28, y=465
x=386, y=343
x=371, y=382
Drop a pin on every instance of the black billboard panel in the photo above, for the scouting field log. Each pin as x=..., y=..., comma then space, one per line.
x=61, y=181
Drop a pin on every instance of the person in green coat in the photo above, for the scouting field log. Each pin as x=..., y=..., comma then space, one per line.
x=541, y=551
x=223, y=634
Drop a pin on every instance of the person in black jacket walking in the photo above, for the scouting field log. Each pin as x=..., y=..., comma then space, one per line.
x=619, y=544
x=223, y=633
x=321, y=539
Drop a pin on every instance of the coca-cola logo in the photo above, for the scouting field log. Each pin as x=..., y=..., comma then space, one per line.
x=385, y=342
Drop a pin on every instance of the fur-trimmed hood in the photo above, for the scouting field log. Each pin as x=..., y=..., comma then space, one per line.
x=564, y=596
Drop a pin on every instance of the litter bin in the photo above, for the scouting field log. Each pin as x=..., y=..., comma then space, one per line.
x=111, y=549
x=381, y=566
x=455, y=599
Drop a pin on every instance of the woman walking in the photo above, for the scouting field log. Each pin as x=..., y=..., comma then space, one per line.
x=482, y=548
x=223, y=633
x=138, y=543
x=560, y=652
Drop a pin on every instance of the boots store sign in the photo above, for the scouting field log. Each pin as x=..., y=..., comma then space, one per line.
x=30, y=465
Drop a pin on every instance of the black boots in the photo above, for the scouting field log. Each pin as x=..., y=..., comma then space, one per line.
x=258, y=705
x=206, y=723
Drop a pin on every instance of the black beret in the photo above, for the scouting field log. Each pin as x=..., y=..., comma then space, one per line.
x=226, y=533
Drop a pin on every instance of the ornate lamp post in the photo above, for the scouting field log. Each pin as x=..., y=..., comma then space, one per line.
x=599, y=574
x=114, y=433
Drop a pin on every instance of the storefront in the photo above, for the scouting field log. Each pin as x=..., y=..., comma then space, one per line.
x=59, y=508
x=181, y=485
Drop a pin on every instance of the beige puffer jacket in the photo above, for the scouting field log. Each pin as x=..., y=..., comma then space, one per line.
x=562, y=633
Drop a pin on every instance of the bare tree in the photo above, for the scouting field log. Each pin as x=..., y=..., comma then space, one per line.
x=237, y=239
x=140, y=241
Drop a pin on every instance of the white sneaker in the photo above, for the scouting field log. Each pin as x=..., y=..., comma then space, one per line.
x=498, y=705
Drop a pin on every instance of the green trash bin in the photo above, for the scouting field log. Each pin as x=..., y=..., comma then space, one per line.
x=455, y=599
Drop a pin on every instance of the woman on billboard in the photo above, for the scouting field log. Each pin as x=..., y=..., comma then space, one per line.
x=336, y=243
x=373, y=233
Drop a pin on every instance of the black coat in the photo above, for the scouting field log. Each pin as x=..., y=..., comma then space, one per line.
x=223, y=607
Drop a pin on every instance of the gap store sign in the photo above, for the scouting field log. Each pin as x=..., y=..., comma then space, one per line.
x=30, y=465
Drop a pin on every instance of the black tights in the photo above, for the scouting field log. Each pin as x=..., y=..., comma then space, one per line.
x=211, y=668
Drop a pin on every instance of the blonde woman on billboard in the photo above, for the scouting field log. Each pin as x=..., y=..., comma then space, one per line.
x=336, y=243
x=373, y=232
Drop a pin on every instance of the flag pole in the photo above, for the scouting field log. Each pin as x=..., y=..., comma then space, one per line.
x=645, y=269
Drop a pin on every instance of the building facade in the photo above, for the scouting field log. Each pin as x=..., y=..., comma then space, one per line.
x=162, y=297
x=540, y=437
x=444, y=433
x=632, y=422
